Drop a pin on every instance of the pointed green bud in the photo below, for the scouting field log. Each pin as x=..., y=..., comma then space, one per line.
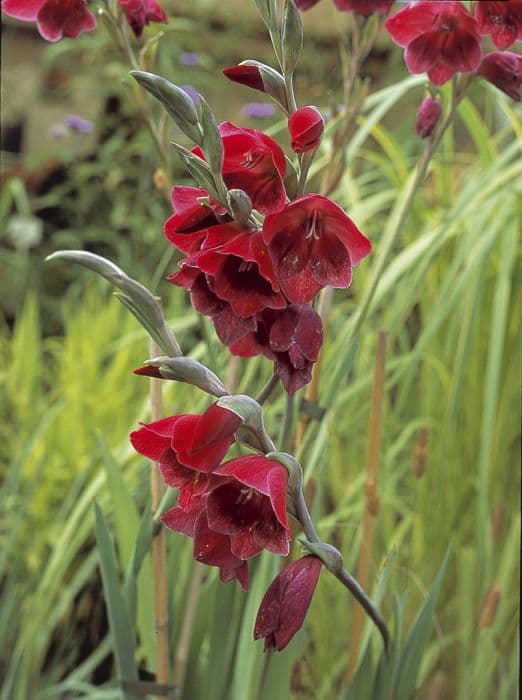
x=212, y=144
x=291, y=37
x=240, y=205
x=137, y=298
x=185, y=369
x=199, y=169
x=267, y=10
x=252, y=432
x=175, y=100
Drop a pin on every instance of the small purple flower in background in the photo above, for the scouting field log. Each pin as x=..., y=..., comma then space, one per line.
x=79, y=124
x=189, y=58
x=191, y=92
x=258, y=110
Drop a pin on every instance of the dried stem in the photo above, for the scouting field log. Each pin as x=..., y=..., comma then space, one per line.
x=159, y=553
x=372, y=499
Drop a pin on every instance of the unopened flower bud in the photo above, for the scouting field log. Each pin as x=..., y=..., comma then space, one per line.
x=504, y=70
x=260, y=77
x=427, y=117
x=286, y=602
x=240, y=205
x=306, y=126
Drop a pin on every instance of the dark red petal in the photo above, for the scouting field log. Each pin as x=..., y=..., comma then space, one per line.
x=213, y=548
x=57, y=19
x=182, y=521
x=26, y=10
x=154, y=438
x=244, y=546
x=331, y=262
x=412, y=21
x=286, y=602
x=248, y=75
x=174, y=474
x=201, y=442
x=272, y=536
x=231, y=328
x=253, y=471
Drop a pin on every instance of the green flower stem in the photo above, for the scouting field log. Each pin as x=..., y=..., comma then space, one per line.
x=267, y=390
x=120, y=37
x=341, y=574
x=288, y=421
x=305, y=161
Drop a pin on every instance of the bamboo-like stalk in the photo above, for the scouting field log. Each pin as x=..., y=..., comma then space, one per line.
x=159, y=552
x=372, y=498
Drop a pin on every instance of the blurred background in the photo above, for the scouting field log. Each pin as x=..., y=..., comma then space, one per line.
x=79, y=170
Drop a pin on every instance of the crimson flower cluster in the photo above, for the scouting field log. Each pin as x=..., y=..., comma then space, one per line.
x=56, y=19
x=234, y=509
x=256, y=281
x=444, y=38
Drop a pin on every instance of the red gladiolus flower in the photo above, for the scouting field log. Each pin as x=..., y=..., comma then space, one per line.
x=239, y=270
x=427, y=116
x=54, y=18
x=306, y=126
x=286, y=602
x=441, y=38
x=255, y=164
x=187, y=227
x=142, y=12
x=210, y=547
x=313, y=243
x=291, y=338
x=503, y=20
x=250, y=506
x=193, y=441
x=503, y=69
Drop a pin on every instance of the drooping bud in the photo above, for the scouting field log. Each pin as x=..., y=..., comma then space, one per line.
x=427, y=117
x=137, y=298
x=291, y=37
x=240, y=205
x=184, y=369
x=504, y=70
x=286, y=602
x=306, y=126
x=258, y=76
x=212, y=145
x=199, y=169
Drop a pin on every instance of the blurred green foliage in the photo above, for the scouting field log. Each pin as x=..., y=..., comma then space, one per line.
x=449, y=300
